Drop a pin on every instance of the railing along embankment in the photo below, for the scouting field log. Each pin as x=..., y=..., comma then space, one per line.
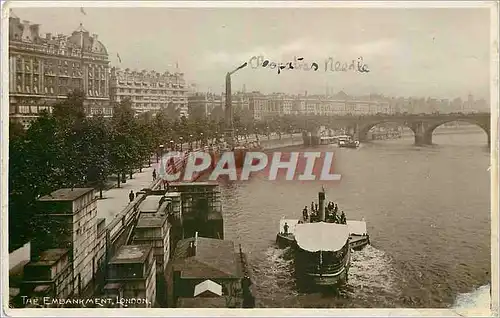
x=118, y=232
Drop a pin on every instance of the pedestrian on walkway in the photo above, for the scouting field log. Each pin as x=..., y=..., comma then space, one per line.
x=131, y=196
x=154, y=174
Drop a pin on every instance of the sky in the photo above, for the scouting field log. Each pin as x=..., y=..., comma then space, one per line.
x=442, y=53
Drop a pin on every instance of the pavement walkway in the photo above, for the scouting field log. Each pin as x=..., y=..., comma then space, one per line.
x=116, y=199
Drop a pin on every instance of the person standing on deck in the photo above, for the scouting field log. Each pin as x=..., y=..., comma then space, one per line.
x=312, y=207
x=342, y=218
x=305, y=214
x=154, y=174
x=285, y=228
x=131, y=195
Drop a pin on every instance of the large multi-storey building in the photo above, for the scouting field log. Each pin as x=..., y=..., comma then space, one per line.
x=259, y=105
x=202, y=104
x=43, y=70
x=239, y=101
x=150, y=91
x=264, y=106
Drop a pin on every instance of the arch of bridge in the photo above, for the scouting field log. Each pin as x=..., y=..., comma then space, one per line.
x=483, y=123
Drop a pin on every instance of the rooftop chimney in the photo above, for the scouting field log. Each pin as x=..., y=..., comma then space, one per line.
x=35, y=30
x=26, y=30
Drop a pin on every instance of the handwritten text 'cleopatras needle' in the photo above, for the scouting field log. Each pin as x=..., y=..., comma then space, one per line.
x=298, y=64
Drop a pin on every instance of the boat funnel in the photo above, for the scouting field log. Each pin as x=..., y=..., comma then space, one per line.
x=321, y=211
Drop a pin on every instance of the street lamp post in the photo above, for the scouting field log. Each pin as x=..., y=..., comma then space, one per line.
x=161, y=151
x=202, y=141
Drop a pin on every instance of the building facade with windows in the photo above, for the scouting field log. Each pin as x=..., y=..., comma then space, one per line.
x=239, y=101
x=150, y=91
x=264, y=106
x=280, y=105
x=202, y=104
x=44, y=69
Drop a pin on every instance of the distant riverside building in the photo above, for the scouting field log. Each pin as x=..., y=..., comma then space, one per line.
x=202, y=104
x=150, y=91
x=239, y=101
x=44, y=69
x=263, y=106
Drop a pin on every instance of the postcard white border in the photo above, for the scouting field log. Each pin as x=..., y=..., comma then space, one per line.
x=285, y=312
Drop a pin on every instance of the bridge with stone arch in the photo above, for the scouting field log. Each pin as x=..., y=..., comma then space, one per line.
x=422, y=125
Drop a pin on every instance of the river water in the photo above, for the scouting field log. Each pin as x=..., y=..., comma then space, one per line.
x=428, y=215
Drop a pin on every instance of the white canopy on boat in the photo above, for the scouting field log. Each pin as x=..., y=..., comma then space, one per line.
x=357, y=227
x=321, y=236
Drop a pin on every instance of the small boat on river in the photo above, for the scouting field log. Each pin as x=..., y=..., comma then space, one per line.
x=347, y=142
x=322, y=244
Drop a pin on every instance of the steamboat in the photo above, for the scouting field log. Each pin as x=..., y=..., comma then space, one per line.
x=347, y=142
x=322, y=242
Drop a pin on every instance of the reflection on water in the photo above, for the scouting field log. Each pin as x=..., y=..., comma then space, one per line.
x=428, y=216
